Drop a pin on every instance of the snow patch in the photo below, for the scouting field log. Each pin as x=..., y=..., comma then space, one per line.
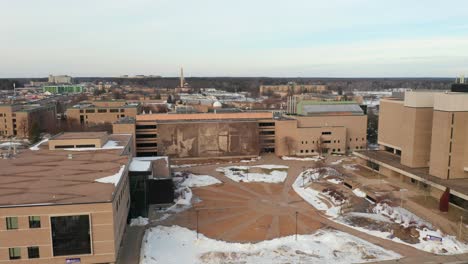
x=180, y=245
x=192, y=180
x=139, y=221
x=317, y=158
x=115, y=179
x=258, y=173
x=36, y=146
x=359, y=193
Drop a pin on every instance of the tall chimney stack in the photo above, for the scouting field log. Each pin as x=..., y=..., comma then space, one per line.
x=182, y=77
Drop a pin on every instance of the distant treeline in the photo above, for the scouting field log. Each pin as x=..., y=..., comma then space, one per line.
x=251, y=84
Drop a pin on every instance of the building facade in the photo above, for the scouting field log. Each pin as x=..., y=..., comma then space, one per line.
x=99, y=112
x=292, y=88
x=18, y=120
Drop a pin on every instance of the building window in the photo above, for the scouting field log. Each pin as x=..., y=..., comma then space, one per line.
x=267, y=132
x=334, y=150
x=114, y=110
x=326, y=133
x=327, y=141
x=307, y=151
x=12, y=223
x=15, y=253
x=33, y=252
x=70, y=235
x=339, y=150
x=81, y=111
x=266, y=124
x=34, y=222
x=146, y=127
x=302, y=151
x=146, y=136
x=122, y=110
x=102, y=110
x=334, y=141
x=338, y=141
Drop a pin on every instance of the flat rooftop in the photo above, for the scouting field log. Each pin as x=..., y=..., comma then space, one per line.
x=458, y=185
x=205, y=116
x=57, y=177
x=79, y=135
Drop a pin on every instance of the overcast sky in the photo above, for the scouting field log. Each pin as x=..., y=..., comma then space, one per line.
x=293, y=38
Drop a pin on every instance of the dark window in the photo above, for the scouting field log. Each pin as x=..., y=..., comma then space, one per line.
x=326, y=133
x=142, y=145
x=33, y=252
x=339, y=150
x=15, y=253
x=81, y=111
x=34, y=222
x=266, y=124
x=12, y=223
x=302, y=151
x=102, y=110
x=267, y=132
x=122, y=115
x=114, y=110
x=64, y=146
x=90, y=111
x=146, y=154
x=86, y=146
x=327, y=141
x=146, y=136
x=268, y=141
x=70, y=235
x=334, y=150
x=146, y=127
x=307, y=151
x=122, y=110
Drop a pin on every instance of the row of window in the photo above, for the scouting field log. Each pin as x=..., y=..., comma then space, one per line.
x=266, y=124
x=12, y=222
x=146, y=127
x=333, y=150
x=146, y=145
x=15, y=253
x=146, y=136
x=102, y=110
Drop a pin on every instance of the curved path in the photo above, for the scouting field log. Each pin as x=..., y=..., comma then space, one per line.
x=252, y=212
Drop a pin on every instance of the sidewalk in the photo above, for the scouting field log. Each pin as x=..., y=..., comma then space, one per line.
x=129, y=252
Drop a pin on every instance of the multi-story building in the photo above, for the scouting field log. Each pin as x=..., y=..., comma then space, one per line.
x=18, y=120
x=63, y=89
x=325, y=129
x=292, y=88
x=99, y=112
x=60, y=205
x=424, y=140
x=60, y=79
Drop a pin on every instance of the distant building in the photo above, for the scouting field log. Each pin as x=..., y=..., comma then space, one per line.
x=18, y=120
x=60, y=205
x=99, y=112
x=63, y=89
x=292, y=88
x=60, y=79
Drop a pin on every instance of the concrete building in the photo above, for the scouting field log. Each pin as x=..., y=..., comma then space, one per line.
x=325, y=129
x=60, y=205
x=292, y=88
x=17, y=120
x=424, y=140
x=60, y=79
x=99, y=112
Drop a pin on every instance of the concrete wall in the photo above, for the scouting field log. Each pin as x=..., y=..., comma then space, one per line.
x=415, y=136
x=440, y=145
x=390, y=123
x=208, y=139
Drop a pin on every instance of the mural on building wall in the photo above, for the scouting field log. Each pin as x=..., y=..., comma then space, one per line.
x=208, y=139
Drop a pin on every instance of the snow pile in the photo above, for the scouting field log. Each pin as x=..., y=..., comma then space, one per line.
x=192, y=180
x=36, y=146
x=359, y=193
x=10, y=144
x=258, y=173
x=251, y=160
x=139, y=221
x=337, y=162
x=352, y=167
x=115, y=179
x=179, y=245
x=335, y=181
x=316, y=158
x=140, y=165
x=183, y=202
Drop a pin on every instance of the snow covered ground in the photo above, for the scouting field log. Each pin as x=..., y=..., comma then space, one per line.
x=359, y=193
x=193, y=180
x=139, y=221
x=387, y=214
x=317, y=158
x=258, y=173
x=180, y=245
x=311, y=196
x=352, y=167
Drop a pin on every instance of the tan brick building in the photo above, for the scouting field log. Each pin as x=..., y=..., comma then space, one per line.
x=65, y=200
x=99, y=112
x=17, y=120
x=325, y=129
x=292, y=88
x=424, y=140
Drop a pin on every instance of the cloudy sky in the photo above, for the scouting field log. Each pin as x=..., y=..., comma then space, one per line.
x=294, y=38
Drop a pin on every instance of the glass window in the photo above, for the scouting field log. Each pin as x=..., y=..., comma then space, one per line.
x=33, y=252
x=12, y=223
x=34, y=222
x=70, y=235
x=15, y=253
